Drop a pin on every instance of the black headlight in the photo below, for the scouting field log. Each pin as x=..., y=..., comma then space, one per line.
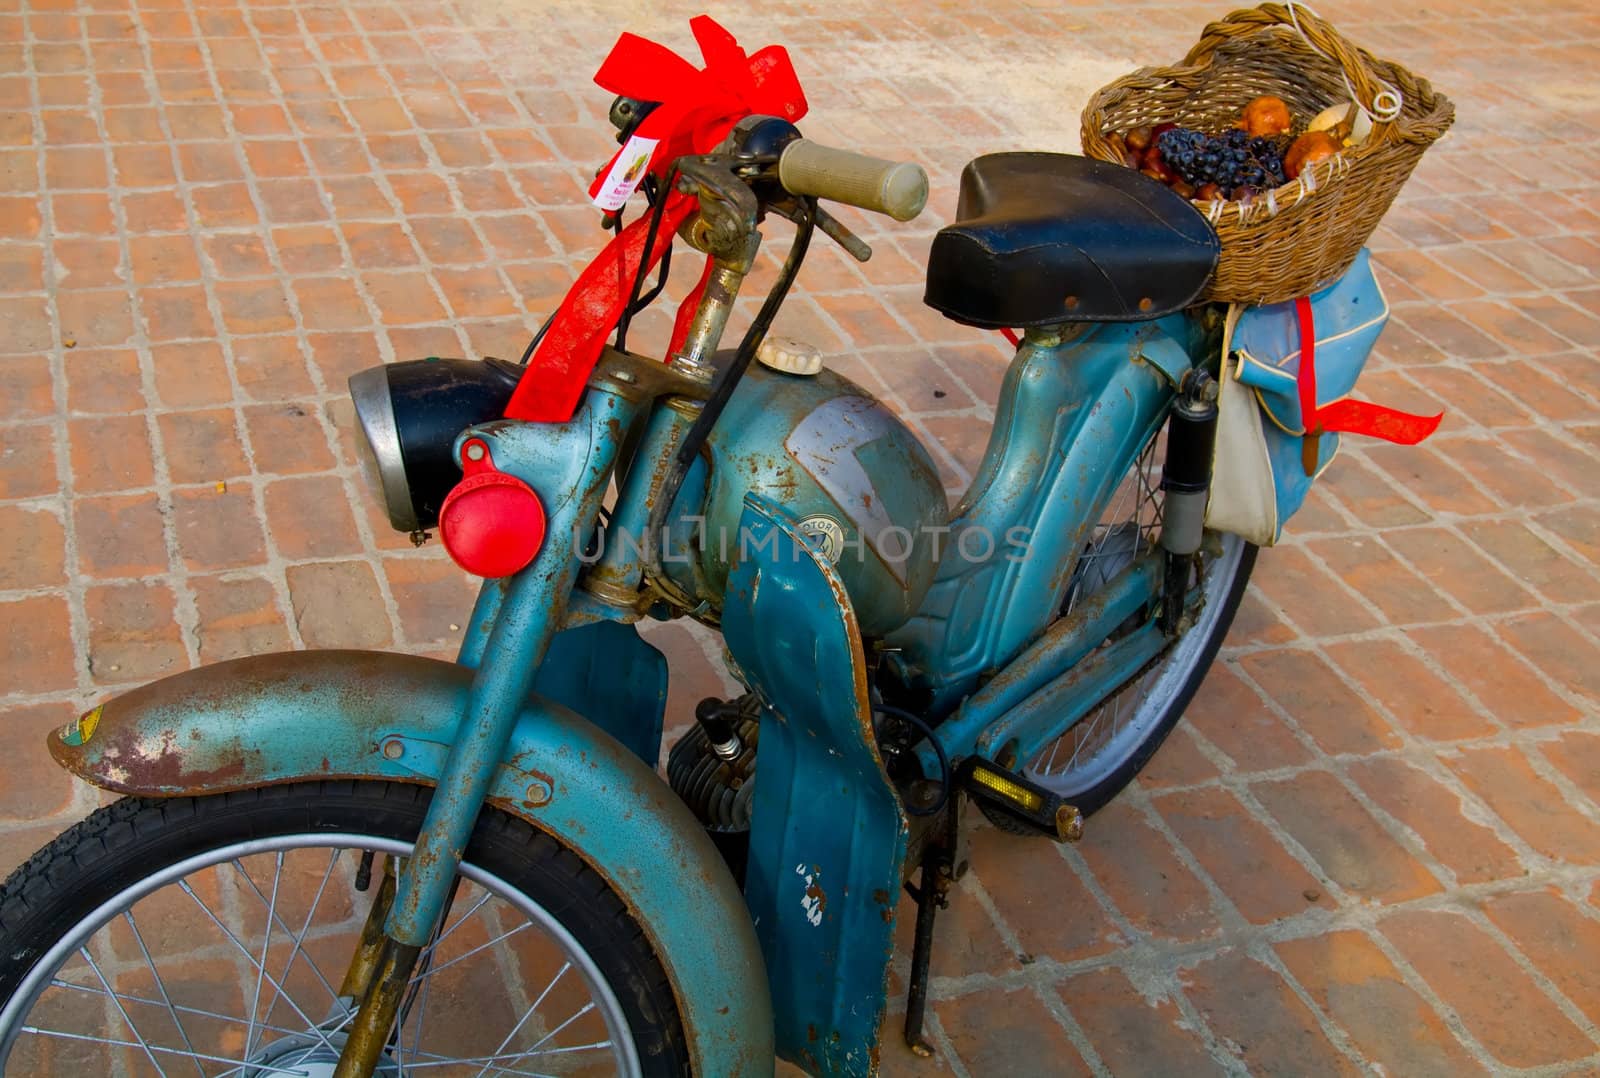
x=411, y=413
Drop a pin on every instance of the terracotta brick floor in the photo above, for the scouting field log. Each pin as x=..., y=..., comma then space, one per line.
x=1372, y=846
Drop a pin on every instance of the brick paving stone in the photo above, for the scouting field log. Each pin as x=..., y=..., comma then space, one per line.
x=1007, y=1033
x=1134, y=1032
x=1497, y=1001
x=1533, y=806
x=1557, y=649
x=35, y=788
x=1401, y=596
x=132, y=634
x=1031, y=888
x=1306, y=687
x=1419, y=699
x=236, y=616
x=1358, y=987
x=1248, y=864
x=1577, y=755
x=1558, y=938
x=1511, y=691
x=1349, y=845
x=1144, y=878
x=1468, y=848
x=35, y=555
x=1259, y=1018
x=35, y=632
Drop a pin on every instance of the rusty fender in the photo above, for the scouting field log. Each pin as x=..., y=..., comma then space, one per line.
x=311, y=715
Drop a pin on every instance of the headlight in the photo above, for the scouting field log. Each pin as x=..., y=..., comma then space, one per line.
x=411, y=413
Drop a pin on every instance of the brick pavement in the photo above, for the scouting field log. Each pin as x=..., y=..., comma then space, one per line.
x=1372, y=846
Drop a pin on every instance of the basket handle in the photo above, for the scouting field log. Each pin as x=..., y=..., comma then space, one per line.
x=1377, y=97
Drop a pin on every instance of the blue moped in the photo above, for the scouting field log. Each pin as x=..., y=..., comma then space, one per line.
x=352, y=863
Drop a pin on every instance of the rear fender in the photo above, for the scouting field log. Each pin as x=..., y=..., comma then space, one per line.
x=297, y=716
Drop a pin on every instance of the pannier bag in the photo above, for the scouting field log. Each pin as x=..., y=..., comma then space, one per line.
x=1288, y=370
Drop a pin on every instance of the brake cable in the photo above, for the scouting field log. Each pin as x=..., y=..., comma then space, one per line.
x=727, y=381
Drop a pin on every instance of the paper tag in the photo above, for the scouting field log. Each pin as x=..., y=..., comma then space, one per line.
x=626, y=174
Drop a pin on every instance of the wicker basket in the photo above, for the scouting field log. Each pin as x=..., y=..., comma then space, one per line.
x=1290, y=241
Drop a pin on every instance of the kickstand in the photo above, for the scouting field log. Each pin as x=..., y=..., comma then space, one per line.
x=931, y=895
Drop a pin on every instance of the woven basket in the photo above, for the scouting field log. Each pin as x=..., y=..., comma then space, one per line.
x=1303, y=235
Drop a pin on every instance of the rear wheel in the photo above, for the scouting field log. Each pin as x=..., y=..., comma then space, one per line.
x=1101, y=753
x=210, y=935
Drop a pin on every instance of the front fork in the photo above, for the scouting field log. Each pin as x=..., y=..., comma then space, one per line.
x=575, y=461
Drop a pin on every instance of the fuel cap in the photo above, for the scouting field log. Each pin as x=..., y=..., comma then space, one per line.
x=789, y=356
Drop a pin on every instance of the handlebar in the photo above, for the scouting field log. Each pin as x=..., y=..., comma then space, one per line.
x=897, y=188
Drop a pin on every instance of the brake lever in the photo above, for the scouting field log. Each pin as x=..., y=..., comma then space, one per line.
x=836, y=231
x=830, y=226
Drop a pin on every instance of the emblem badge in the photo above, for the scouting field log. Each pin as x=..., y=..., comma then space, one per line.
x=826, y=535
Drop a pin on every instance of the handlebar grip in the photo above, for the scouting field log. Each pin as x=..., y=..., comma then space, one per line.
x=897, y=188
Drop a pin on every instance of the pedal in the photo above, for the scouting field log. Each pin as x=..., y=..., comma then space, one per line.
x=1019, y=799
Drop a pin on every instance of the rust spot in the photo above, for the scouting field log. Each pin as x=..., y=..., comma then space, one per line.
x=816, y=893
x=811, y=1033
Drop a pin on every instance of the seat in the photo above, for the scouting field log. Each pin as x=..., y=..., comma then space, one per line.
x=1046, y=238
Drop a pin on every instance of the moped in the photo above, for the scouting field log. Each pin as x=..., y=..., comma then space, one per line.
x=352, y=863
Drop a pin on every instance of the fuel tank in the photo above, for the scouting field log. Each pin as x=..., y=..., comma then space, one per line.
x=858, y=481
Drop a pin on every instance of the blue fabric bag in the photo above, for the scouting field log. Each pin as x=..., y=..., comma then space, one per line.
x=1266, y=460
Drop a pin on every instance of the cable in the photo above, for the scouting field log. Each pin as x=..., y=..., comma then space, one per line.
x=726, y=383
x=656, y=211
x=527, y=353
x=944, y=761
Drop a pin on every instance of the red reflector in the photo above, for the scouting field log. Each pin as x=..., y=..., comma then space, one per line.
x=492, y=523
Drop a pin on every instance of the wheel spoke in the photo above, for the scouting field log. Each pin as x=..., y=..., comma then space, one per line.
x=527, y=1014
x=160, y=986
x=305, y=927
x=197, y=1012
x=333, y=993
x=84, y=1038
x=266, y=946
x=311, y=1026
x=89, y=958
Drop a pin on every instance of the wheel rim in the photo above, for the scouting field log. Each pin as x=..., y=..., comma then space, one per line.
x=243, y=947
x=1098, y=745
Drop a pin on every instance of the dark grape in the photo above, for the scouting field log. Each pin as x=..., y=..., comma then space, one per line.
x=1233, y=160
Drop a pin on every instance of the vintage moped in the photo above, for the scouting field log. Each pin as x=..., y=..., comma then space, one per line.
x=354, y=863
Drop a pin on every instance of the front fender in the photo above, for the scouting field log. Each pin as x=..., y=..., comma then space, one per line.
x=295, y=716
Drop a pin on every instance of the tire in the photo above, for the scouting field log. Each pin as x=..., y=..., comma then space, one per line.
x=170, y=959
x=1158, y=696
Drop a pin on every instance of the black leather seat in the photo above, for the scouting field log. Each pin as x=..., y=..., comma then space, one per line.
x=1043, y=238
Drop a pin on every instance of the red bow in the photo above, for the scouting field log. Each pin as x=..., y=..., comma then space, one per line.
x=698, y=107
x=1351, y=416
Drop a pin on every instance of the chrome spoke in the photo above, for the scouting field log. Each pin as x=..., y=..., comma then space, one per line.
x=312, y=1026
x=305, y=927
x=160, y=986
x=480, y=947
x=150, y=1048
x=527, y=1014
x=266, y=946
x=333, y=993
x=89, y=958
x=197, y=1012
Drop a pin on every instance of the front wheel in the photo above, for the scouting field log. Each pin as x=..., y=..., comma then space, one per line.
x=210, y=936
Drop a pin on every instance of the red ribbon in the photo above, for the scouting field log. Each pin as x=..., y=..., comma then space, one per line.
x=1348, y=416
x=698, y=107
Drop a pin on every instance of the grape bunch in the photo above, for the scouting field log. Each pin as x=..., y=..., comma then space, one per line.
x=1233, y=161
